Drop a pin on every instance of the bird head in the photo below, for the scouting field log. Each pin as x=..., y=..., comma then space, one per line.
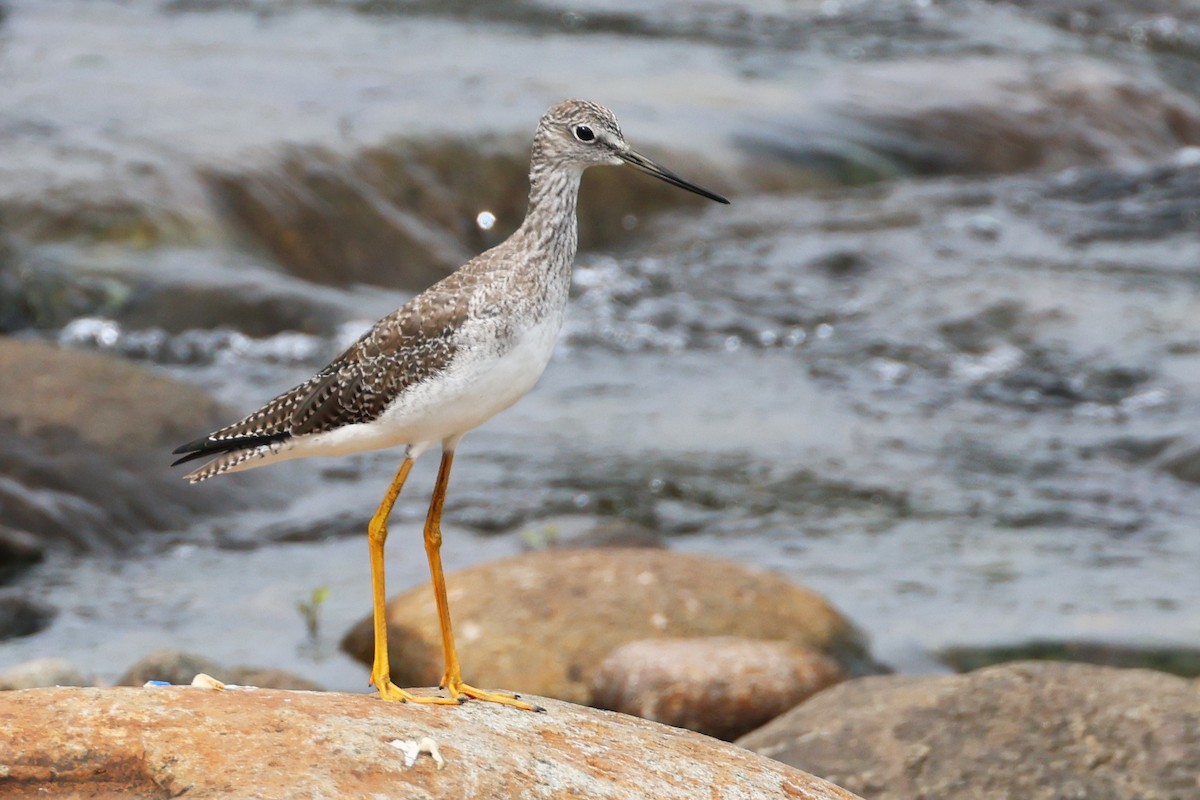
x=580, y=134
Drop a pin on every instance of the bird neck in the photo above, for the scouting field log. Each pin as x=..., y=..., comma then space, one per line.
x=550, y=222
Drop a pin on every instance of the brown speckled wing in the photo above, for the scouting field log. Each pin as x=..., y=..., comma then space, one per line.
x=403, y=349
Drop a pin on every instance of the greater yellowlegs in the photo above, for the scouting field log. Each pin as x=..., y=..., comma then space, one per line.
x=458, y=353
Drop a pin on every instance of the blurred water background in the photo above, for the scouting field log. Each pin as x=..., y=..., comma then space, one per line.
x=939, y=361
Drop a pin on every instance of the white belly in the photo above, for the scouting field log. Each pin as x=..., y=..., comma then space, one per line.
x=477, y=386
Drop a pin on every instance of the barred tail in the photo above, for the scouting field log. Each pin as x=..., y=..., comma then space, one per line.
x=228, y=455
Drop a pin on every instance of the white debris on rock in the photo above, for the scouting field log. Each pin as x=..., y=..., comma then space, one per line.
x=413, y=748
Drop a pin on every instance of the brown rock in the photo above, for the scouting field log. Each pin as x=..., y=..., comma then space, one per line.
x=721, y=686
x=250, y=744
x=112, y=405
x=1033, y=730
x=542, y=622
x=87, y=437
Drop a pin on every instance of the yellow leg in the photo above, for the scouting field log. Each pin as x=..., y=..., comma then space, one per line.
x=377, y=535
x=452, y=678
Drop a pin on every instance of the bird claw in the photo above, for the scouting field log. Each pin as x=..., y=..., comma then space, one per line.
x=463, y=692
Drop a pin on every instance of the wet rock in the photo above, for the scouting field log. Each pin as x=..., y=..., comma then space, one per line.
x=326, y=224
x=23, y=616
x=43, y=291
x=565, y=610
x=1181, y=460
x=1035, y=730
x=720, y=686
x=87, y=437
x=18, y=551
x=42, y=673
x=404, y=215
x=1003, y=114
x=181, y=290
x=147, y=743
x=180, y=667
x=1183, y=661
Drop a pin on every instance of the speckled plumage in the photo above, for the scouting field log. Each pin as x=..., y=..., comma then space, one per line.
x=459, y=352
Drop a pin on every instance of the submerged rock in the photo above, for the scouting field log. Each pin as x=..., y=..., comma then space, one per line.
x=1183, y=661
x=721, y=686
x=23, y=616
x=272, y=744
x=1034, y=730
x=565, y=610
x=18, y=551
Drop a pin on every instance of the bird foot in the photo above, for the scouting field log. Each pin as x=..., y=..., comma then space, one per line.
x=390, y=691
x=461, y=692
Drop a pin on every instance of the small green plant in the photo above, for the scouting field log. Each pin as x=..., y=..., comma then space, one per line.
x=539, y=538
x=310, y=610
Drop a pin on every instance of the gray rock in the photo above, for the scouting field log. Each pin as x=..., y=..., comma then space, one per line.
x=173, y=666
x=180, y=667
x=40, y=673
x=1033, y=730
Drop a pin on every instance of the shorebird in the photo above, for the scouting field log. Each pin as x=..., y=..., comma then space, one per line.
x=444, y=363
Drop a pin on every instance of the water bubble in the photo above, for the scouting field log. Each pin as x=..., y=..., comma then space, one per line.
x=90, y=331
x=732, y=343
x=824, y=330
x=581, y=500
x=629, y=221
x=485, y=220
x=889, y=371
x=767, y=338
x=656, y=485
x=984, y=226
x=795, y=337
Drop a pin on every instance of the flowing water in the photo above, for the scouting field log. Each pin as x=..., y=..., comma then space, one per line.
x=960, y=402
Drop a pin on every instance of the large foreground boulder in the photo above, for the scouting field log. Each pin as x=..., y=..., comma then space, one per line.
x=261, y=743
x=542, y=622
x=1033, y=730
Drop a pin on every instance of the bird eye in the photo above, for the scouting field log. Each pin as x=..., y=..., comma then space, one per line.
x=584, y=134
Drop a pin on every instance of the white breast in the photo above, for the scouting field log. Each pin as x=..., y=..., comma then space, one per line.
x=476, y=386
